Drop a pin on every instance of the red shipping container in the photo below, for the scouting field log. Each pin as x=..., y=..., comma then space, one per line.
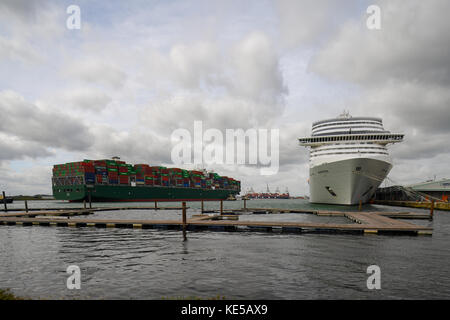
x=141, y=165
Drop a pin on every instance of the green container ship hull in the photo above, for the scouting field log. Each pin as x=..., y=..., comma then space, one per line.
x=127, y=193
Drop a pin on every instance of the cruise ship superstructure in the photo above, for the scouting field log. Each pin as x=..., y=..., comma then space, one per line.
x=348, y=158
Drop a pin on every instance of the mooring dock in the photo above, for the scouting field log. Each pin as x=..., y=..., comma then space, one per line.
x=363, y=222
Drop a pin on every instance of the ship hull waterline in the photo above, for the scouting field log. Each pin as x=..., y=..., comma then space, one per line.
x=347, y=182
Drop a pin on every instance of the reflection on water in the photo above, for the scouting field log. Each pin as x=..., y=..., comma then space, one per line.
x=153, y=264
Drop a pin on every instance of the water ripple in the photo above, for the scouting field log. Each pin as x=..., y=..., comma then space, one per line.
x=152, y=264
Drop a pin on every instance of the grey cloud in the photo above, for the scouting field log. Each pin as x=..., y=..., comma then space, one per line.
x=97, y=71
x=18, y=50
x=88, y=99
x=421, y=146
x=53, y=129
x=411, y=45
x=13, y=149
x=24, y=9
x=135, y=146
x=406, y=105
x=195, y=64
x=244, y=87
x=246, y=68
x=181, y=110
x=256, y=72
x=305, y=22
x=29, y=181
x=291, y=153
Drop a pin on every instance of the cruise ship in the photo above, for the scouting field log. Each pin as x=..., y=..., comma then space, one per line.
x=348, y=158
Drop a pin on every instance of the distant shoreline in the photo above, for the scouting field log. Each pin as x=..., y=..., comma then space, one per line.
x=32, y=198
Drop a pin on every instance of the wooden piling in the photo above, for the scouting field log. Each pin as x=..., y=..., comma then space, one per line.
x=184, y=220
x=203, y=206
x=245, y=204
x=90, y=200
x=431, y=209
x=84, y=204
x=26, y=206
x=360, y=205
x=221, y=207
x=156, y=205
x=4, y=202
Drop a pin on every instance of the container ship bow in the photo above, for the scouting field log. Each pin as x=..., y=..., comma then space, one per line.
x=348, y=159
x=115, y=180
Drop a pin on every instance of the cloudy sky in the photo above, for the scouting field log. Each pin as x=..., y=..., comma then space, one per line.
x=138, y=70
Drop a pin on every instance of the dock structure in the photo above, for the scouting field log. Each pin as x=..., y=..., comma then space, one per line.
x=444, y=206
x=228, y=220
x=97, y=208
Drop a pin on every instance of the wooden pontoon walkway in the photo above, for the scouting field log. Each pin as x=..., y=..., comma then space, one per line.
x=364, y=222
x=391, y=214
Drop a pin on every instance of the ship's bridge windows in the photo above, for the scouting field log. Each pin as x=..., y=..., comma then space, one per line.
x=347, y=123
x=352, y=138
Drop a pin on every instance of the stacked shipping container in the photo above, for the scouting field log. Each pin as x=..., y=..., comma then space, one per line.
x=114, y=172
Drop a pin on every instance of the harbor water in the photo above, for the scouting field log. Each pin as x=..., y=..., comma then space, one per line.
x=157, y=264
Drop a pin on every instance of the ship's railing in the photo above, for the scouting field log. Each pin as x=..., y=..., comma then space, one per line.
x=378, y=138
x=67, y=181
x=347, y=121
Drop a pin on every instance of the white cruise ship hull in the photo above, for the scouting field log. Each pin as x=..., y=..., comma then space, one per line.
x=347, y=181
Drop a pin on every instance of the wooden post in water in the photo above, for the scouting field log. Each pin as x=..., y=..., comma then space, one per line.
x=184, y=220
x=360, y=205
x=156, y=205
x=431, y=209
x=90, y=200
x=26, y=206
x=4, y=201
x=203, y=207
x=245, y=204
x=221, y=207
x=84, y=204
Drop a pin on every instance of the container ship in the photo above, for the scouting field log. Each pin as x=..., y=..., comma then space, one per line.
x=115, y=180
x=348, y=159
